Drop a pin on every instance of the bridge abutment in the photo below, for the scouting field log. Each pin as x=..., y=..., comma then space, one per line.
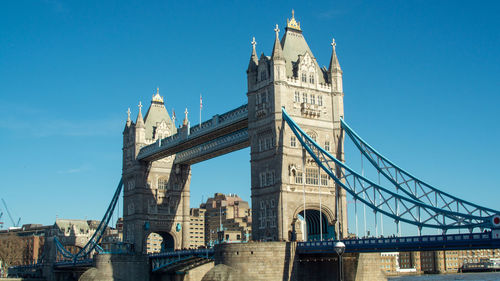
x=118, y=267
x=268, y=261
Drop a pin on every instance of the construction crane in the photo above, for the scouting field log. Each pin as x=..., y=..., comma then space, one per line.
x=8, y=213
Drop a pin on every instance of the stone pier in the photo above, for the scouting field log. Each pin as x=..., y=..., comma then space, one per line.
x=268, y=261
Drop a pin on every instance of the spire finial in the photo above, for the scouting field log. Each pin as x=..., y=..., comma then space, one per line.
x=128, y=114
x=157, y=97
x=277, y=30
x=333, y=43
x=140, y=121
x=253, y=42
x=185, y=122
x=292, y=23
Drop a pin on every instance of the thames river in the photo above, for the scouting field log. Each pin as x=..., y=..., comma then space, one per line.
x=486, y=276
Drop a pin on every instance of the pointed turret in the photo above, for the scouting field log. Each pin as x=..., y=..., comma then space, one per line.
x=334, y=71
x=140, y=121
x=252, y=66
x=254, y=60
x=186, y=121
x=277, y=58
x=334, y=61
x=299, y=60
x=277, y=50
x=129, y=122
x=140, y=129
x=157, y=120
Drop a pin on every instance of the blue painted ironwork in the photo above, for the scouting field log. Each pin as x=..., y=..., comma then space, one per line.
x=412, y=186
x=162, y=260
x=212, y=146
x=405, y=244
x=217, y=122
x=391, y=204
x=92, y=244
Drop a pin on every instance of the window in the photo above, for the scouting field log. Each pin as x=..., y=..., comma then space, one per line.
x=327, y=145
x=293, y=141
x=304, y=97
x=258, y=99
x=297, y=96
x=298, y=177
x=267, y=144
x=320, y=100
x=262, y=179
x=311, y=176
x=304, y=77
x=162, y=183
x=263, y=75
x=311, y=78
x=324, y=179
x=269, y=178
x=313, y=99
x=260, y=145
x=272, y=203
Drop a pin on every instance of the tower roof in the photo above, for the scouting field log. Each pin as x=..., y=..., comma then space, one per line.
x=334, y=61
x=254, y=61
x=277, y=51
x=140, y=121
x=157, y=113
x=294, y=45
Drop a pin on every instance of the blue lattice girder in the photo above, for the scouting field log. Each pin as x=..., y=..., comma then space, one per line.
x=92, y=244
x=412, y=186
x=391, y=204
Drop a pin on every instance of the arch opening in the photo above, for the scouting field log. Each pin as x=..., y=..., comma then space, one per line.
x=158, y=242
x=310, y=226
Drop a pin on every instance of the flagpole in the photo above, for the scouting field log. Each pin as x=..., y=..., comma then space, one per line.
x=201, y=105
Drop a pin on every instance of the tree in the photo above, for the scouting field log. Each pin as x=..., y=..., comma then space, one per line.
x=11, y=250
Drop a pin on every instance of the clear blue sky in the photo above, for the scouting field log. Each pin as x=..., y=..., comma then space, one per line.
x=421, y=81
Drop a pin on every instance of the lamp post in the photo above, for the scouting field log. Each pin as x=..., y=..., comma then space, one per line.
x=339, y=248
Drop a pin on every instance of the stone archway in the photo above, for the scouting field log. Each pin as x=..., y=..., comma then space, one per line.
x=160, y=241
x=308, y=228
x=315, y=224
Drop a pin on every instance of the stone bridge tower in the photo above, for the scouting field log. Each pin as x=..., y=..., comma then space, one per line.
x=281, y=177
x=156, y=194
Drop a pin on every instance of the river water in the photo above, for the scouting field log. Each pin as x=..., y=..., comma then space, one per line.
x=484, y=276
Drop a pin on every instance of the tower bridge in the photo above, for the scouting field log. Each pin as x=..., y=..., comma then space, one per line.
x=157, y=155
x=295, y=128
